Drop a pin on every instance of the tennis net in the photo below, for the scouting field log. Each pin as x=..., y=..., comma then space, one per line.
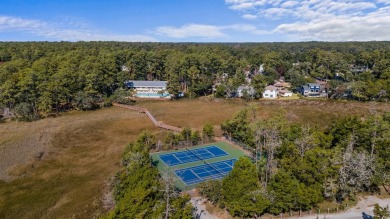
x=215, y=168
x=196, y=154
x=209, y=164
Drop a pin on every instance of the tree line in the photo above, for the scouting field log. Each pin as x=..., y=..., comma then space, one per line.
x=296, y=167
x=42, y=78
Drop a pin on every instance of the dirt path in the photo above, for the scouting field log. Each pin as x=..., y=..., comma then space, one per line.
x=363, y=208
x=201, y=211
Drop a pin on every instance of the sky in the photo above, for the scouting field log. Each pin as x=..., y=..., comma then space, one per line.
x=195, y=20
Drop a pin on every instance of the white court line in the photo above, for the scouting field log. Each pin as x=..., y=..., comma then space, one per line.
x=177, y=158
x=205, y=170
x=213, y=155
x=230, y=161
x=196, y=174
x=221, y=155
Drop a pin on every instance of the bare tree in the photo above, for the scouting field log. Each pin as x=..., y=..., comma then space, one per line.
x=259, y=132
x=305, y=141
x=267, y=137
x=272, y=142
x=159, y=145
x=355, y=171
x=374, y=131
x=169, y=192
x=330, y=187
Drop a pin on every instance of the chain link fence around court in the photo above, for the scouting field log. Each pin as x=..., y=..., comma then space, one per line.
x=161, y=146
x=239, y=143
x=246, y=147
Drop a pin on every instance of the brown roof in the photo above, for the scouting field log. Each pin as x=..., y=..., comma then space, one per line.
x=286, y=84
x=285, y=91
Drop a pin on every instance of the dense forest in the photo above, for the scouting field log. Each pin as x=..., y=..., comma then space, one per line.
x=43, y=78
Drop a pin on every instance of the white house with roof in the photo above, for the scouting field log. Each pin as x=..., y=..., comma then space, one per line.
x=270, y=92
x=149, y=89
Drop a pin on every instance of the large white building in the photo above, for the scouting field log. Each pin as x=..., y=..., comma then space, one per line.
x=149, y=89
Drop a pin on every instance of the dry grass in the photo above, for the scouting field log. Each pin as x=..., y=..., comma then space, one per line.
x=195, y=113
x=58, y=167
x=81, y=152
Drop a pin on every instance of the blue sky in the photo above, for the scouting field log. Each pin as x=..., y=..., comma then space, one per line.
x=194, y=20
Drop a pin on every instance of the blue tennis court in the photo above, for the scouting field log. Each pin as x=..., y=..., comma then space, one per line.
x=192, y=155
x=197, y=174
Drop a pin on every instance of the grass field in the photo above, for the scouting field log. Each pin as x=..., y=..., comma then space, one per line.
x=59, y=167
x=81, y=153
x=195, y=113
x=163, y=168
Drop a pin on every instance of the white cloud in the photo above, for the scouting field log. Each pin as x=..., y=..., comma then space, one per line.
x=206, y=31
x=329, y=20
x=241, y=6
x=246, y=28
x=65, y=32
x=289, y=4
x=386, y=2
x=14, y=23
x=246, y=4
x=249, y=16
x=275, y=13
x=374, y=26
x=191, y=30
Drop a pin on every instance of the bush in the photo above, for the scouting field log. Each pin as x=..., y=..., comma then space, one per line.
x=122, y=96
x=85, y=101
x=25, y=112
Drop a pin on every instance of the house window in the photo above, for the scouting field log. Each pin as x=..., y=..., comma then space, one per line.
x=271, y=95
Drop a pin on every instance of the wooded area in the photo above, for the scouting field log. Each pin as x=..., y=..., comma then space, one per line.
x=296, y=167
x=42, y=78
x=140, y=192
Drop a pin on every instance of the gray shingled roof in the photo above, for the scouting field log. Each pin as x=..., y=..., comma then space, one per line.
x=271, y=87
x=146, y=83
